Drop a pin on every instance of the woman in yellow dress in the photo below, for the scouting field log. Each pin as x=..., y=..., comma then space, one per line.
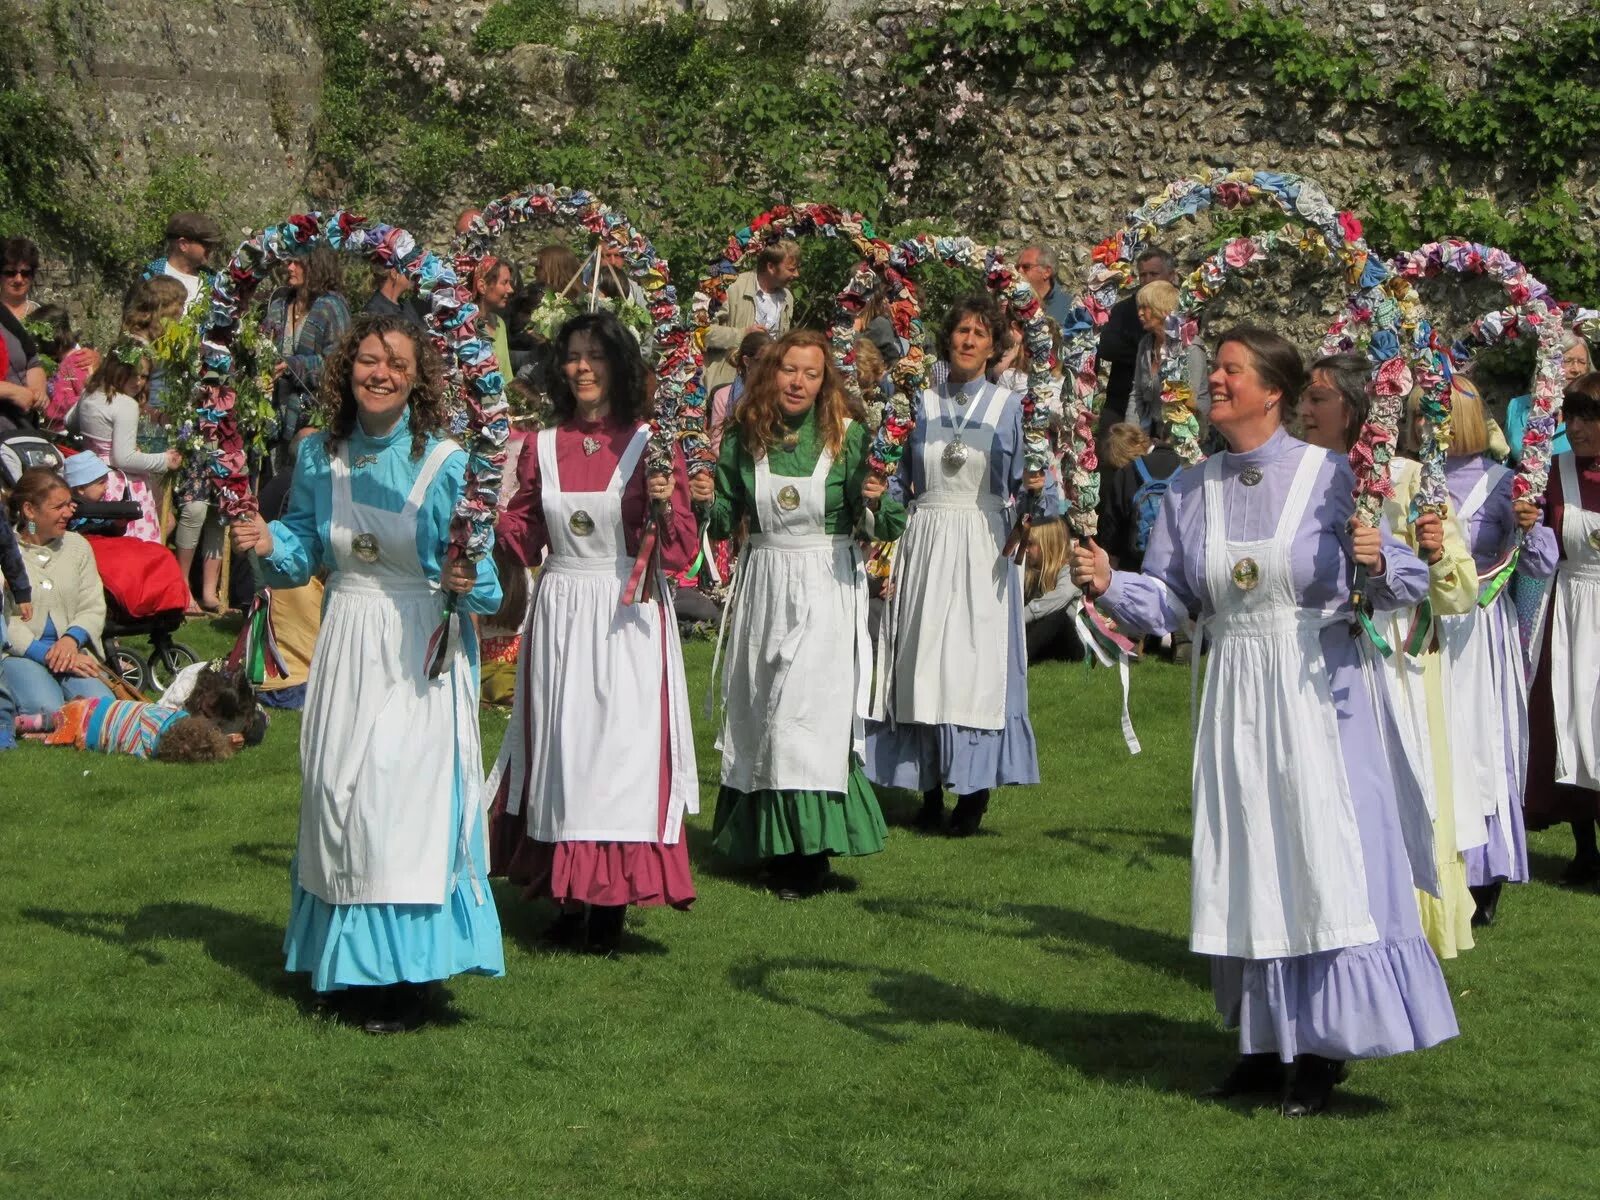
x=1332, y=410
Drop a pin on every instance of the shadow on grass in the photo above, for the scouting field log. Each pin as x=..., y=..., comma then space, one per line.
x=1141, y=1048
x=244, y=945
x=1054, y=926
x=1548, y=868
x=525, y=921
x=268, y=854
x=1113, y=843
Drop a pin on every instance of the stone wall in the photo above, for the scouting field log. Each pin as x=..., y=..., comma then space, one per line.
x=236, y=83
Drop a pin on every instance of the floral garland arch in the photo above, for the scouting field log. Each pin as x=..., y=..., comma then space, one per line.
x=481, y=423
x=680, y=414
x=1113, y=267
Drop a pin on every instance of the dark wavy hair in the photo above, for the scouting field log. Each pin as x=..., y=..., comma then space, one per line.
x=324, y=273
x=426, y=402
x=1277, y=360
x=981, y=305
x=1581, y=401
x=625, y=374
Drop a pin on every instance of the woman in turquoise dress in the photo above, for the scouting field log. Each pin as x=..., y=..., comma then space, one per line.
x=390, y=888
x=797, y=659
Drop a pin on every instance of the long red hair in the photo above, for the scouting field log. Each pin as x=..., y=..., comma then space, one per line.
x=760, y=416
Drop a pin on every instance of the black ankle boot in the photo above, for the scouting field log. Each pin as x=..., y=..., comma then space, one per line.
x=969, y=812
x=1314, y=1080
x=801, y=876
x=930, y=818
x=566, y=932
x=1252, y=1075
x=398, y=1008
x=606, y=922
x=1487, y=898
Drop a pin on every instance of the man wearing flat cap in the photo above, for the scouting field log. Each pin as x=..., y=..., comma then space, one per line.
x=192, y=238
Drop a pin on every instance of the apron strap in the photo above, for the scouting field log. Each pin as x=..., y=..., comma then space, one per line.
x=1479, y=495
x=1571, y=496
x=549, y=476
x=629, y=461
x=431, y=466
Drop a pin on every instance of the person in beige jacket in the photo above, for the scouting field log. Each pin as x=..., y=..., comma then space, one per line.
x=758, y=299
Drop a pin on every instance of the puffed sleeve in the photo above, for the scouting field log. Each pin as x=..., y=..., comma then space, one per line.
x=680, y=540
x=1159, y=598
x=1541, y=551
x=1404, y=581
x=297, y=536
x=1453, y=580
x=730, y=500
x=433, y=536
x=521, y=529
x=888, y=522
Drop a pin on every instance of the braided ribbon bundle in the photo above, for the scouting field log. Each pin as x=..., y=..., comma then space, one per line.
x=893, y=426
x=481, y=420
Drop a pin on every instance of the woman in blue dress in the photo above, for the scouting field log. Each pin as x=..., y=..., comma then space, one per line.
x=390, y=889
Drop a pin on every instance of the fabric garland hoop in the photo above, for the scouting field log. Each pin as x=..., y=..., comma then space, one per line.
x=680, y=414
x=481, y=423
x=1113, y=267
x=892, y=427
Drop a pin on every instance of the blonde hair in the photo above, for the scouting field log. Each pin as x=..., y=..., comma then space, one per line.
x=1124, y=443
x=1051, y=538
x=1469, y=423
x=1160, y=297
x=151, y=304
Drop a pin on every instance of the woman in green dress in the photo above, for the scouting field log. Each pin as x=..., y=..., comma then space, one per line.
x=797, y=662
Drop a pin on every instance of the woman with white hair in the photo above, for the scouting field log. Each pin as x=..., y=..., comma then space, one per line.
x=1157, y=301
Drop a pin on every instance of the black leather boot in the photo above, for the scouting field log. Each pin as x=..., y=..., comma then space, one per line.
x=606, y=922
x=1488, y=901
x=1314, y=1080
x=969, y=812
x=930, y=817
x=1252, y=1075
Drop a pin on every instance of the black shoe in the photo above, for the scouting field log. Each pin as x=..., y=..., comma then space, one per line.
x=930, y=818
x=398, y=1008
x=1252, y=1075
x=566, y=932
x=1314, y=1081
x=1487, y=898
x=802, y=876
x=1583, y=871
x=969, y=812
x=606, y=923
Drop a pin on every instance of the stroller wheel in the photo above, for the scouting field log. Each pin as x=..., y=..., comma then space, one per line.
x=166, y=660
x=129, y=666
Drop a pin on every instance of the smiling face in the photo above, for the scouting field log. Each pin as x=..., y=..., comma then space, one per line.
x=381, y=379
x=497, y=289
x=1240, y=401
x=587, y=372
x=800, y=376
x=16, y=281
x=50, y=516
x=1584, y=434
x=971, y=347
x=1324, y=415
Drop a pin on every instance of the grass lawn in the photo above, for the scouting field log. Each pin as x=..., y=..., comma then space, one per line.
x=1012, y=1016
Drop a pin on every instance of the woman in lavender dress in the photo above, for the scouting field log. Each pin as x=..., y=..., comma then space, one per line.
x=1485, y=673
x=1301, y=888
x=953, y=674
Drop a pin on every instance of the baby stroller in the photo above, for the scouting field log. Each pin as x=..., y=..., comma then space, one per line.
x=144, y=587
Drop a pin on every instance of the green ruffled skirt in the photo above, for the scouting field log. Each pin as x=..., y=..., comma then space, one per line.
x=752, y=826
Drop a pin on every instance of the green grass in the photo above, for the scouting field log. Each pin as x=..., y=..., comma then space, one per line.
x=1012, y=1016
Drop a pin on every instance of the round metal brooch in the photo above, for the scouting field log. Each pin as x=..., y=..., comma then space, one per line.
x=789, y=498
x=1246, y=574
x=581, y=523
x=365, y=547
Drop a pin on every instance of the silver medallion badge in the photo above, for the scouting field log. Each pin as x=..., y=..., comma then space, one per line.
x=1594, y=538
x=581, y=523
x=789, y=498
x=1246, y=575
x=1250, y=476
x=955, y=455
x=365, y=547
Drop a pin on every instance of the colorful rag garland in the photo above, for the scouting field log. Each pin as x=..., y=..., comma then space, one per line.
x=680, y=413
x=1112, y=269
x=480, y=422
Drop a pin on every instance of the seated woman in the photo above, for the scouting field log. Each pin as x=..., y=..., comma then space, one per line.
x=47, y=660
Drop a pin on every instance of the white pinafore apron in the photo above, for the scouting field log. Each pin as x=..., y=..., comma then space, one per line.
x=1278, y=869
x=383, y=746
x=799, y=660
x=1474, y=699
x=949, y=620
x=1575, y=638
x=1402, y=674
x=583, y=750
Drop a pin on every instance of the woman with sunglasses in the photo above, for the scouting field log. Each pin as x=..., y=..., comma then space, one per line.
x=22, y=376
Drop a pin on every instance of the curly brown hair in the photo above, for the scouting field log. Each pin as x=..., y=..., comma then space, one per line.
x=759, y=415
x=426, y=402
